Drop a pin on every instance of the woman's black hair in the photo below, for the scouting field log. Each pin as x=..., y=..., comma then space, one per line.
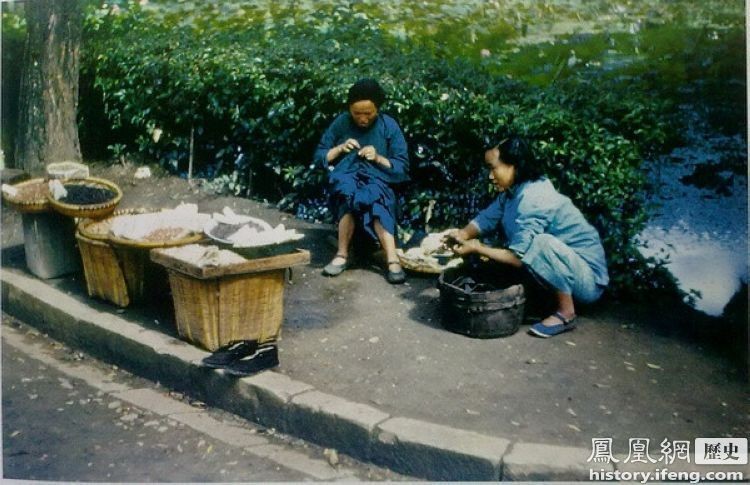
x=515, y=151
x=366, y=90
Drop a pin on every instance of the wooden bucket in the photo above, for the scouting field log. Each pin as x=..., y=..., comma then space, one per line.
x=480, y=314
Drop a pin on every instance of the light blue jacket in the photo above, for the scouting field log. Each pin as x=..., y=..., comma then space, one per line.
x=535, y=207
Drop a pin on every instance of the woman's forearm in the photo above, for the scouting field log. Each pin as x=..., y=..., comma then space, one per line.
x=469, y=231
x=334, y=153
x=383, y=162
x=504, y=256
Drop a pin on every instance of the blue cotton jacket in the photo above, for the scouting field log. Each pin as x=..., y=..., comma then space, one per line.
x=535, y=207
x=384, y=134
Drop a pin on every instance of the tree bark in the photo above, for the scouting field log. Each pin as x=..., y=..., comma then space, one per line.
x=47, y=128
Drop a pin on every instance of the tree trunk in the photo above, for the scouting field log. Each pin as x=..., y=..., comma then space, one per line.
x=47, y=129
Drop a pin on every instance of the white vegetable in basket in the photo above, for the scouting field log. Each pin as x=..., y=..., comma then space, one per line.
x=433, y=243
x=228, y=216
x=138, y=226
x=57, y=189
x=248, y=237
x=9, y=190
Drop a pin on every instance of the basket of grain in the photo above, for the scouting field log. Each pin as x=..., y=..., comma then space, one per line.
x=105, y=276
x=92, y=197
x=132, y=236
x=29, y=197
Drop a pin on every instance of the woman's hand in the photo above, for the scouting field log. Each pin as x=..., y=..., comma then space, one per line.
x=368, y=153
x=464, y=247
x=349, y=145
x=456, y=235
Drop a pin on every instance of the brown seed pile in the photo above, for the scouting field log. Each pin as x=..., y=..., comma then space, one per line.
x=35, y=192
x=100, y=228
x=166, y=234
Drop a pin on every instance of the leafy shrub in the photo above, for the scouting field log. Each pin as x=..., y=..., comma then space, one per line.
x=14, y=34
x=255, y=97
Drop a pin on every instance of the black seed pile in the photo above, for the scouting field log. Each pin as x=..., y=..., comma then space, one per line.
x=85, y=195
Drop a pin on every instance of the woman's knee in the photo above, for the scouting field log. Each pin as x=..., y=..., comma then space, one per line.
x=545, y=243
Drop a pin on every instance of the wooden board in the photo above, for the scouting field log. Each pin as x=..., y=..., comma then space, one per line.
x=258, y=265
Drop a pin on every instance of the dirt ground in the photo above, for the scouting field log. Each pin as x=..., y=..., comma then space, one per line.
x=654, y=369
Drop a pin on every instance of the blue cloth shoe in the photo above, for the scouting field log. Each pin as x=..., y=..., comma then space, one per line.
x=546, y=331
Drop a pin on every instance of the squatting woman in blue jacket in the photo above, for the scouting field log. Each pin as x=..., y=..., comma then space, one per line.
x=545, y=234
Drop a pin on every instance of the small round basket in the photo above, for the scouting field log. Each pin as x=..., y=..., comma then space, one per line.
x=421, y=266
x=31, y=197
x=91, y=211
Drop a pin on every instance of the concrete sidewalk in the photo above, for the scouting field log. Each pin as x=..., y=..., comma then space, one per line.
x=367, y=368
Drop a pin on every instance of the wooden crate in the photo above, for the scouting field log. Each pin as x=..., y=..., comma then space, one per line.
x=218, y=305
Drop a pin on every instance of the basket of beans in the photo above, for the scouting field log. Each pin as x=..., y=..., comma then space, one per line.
x=93, y=198
x=29, y=196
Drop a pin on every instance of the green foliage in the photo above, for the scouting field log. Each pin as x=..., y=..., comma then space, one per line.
x=13, y=36
x=256, y=95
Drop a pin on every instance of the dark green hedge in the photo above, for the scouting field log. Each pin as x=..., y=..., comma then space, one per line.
x=13, y=36
x=257, y=100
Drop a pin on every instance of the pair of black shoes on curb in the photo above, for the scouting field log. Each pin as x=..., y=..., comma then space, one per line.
x=244, y=357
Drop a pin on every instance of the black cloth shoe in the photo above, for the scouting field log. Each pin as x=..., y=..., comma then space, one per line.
x=394, y=277
x=231, y=352
x=266, y=357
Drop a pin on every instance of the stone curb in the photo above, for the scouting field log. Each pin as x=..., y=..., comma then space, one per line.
x=408, y=446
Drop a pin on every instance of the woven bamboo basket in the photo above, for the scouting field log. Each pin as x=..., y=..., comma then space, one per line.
x=67, y=170
x=165, y=243
x=146, y=281
x=218, y=305
x=101, y=267
x=420, y=266
x=98, y=229
x=212, y=313
x=28, y=206
x=105, y=277
x=91, y=211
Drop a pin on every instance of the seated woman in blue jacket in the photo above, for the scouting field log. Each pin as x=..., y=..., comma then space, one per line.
x=367, y=154
x=545, y=233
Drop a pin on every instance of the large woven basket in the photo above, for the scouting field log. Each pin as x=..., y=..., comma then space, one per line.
x=104, y=276
x=98, y=229
x=166, y=243
x=28, y=206
x=104, y=272
x=91, y=211
x=212, y=313
x=146, y=281
x=218, y=305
